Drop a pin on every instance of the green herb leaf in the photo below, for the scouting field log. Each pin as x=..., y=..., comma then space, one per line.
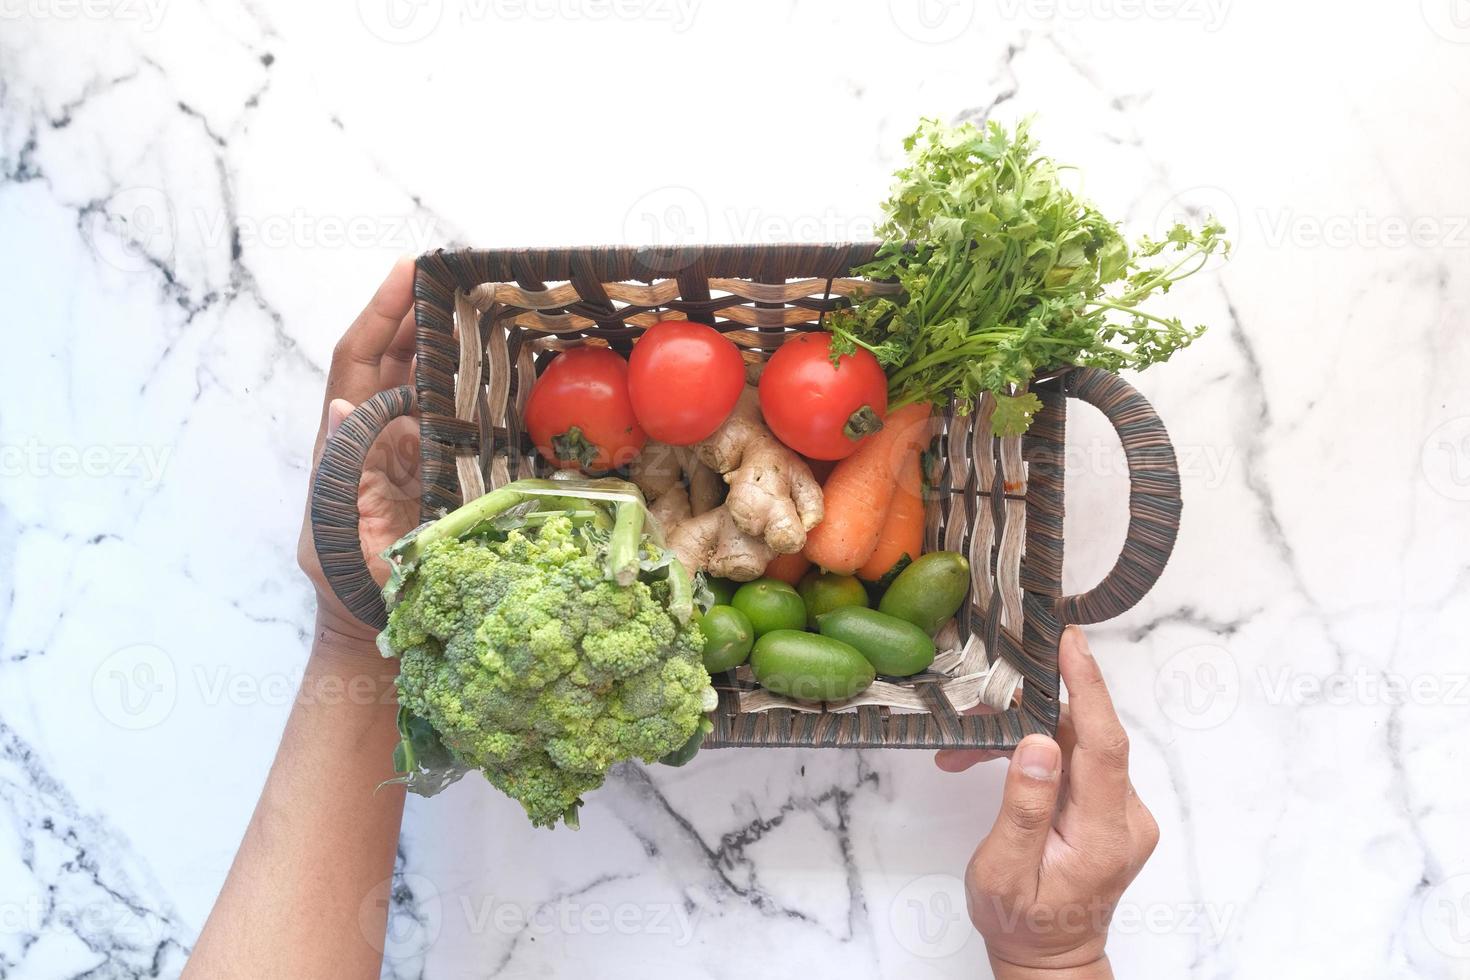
x=1003, y=271
x=1013, y=413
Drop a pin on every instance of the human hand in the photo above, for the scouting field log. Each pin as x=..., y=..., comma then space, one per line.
x=1070, y=836
x=376, y=353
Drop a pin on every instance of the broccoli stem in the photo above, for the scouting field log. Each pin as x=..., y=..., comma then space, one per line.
x=681, y=591
x=626, y=526
x=458, y=523
x=622, y=545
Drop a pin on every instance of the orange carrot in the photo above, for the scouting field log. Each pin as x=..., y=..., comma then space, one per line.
x=903, y=529
x=788, y=568
x=857, y=495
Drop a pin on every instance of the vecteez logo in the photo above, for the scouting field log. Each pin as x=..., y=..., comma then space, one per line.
x=1444, y=914
x=1445, y=459
x=136, y=688
x=37, y=460
x=409, y=21
x=942, y=21
x=415, y=913
x=1198, y=688
x=671, y=220
x=932, y=21
x=148, y=14
x=400, y=21
x=132, y=230
x=1450, y=19
x=678, y=14
x=1193, y=208
x=928, y=917
x=1209, y=14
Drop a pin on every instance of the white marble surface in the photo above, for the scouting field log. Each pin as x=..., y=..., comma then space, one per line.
x=196, y=195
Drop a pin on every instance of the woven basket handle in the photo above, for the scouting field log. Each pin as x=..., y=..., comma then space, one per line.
x=334, y=504
x=1153, y=498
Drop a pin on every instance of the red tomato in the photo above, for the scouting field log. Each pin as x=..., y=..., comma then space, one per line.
x=819, y=410
x=684, y=378
x=579, y=414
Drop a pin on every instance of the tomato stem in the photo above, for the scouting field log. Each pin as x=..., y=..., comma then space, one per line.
x=863, y=422
x=574, y=447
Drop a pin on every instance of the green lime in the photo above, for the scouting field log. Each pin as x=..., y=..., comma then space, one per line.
x=930, y=591
x=771, y=605
x=723, y=589
x=728, y=637
x=809, y=667
x=825, y=591
x=893, y=646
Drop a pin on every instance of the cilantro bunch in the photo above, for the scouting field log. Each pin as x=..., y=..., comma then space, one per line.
x=1003, y=271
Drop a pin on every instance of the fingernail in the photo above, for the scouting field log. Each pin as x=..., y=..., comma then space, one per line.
x=337, y=413
x=1079, y=640
x=1039, y=759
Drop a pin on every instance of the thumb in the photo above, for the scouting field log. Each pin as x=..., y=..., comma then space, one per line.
x=1017, y=840
x=337, y=413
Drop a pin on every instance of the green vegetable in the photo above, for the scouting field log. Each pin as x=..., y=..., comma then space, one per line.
x=893, y=646
x=722, y=589
x=1004, y=271
x=771, y=605
x=728, y=637
x=878, y=588
x=809, y=667
x=686, y=752
x=824, y=591
x=929, y=591
x=543, y=635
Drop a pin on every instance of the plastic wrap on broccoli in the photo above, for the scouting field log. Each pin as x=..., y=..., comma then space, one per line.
x=543, y=636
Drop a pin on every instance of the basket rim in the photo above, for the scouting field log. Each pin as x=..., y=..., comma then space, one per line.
x=614, y=263
x=457, y=433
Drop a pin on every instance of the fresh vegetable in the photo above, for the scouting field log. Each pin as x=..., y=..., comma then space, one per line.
x=542, y=635
x=683, y=378
x=823, y=592
x=787, y=568
x=772, y=493
x=818, y=403
x=928, y=592
x=901, y=536
x=677, y=486
x=686, y=752
x=809, y=667
x=728, y=637
x=771, y=605
x=771, y=504
x=722, y=589
x=685, y=499
x=893, y=646
x=1003, y=271
x=579, y=415
x=857, y=495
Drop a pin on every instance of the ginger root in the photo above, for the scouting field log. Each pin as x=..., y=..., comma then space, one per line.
x=772, y=491
x=712, y=542
x=684, y=497
x=773, y=499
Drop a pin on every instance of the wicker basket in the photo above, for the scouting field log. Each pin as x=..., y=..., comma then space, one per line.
x=487, y=318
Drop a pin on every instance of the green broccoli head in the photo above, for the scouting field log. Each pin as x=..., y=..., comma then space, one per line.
x=537, y=670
